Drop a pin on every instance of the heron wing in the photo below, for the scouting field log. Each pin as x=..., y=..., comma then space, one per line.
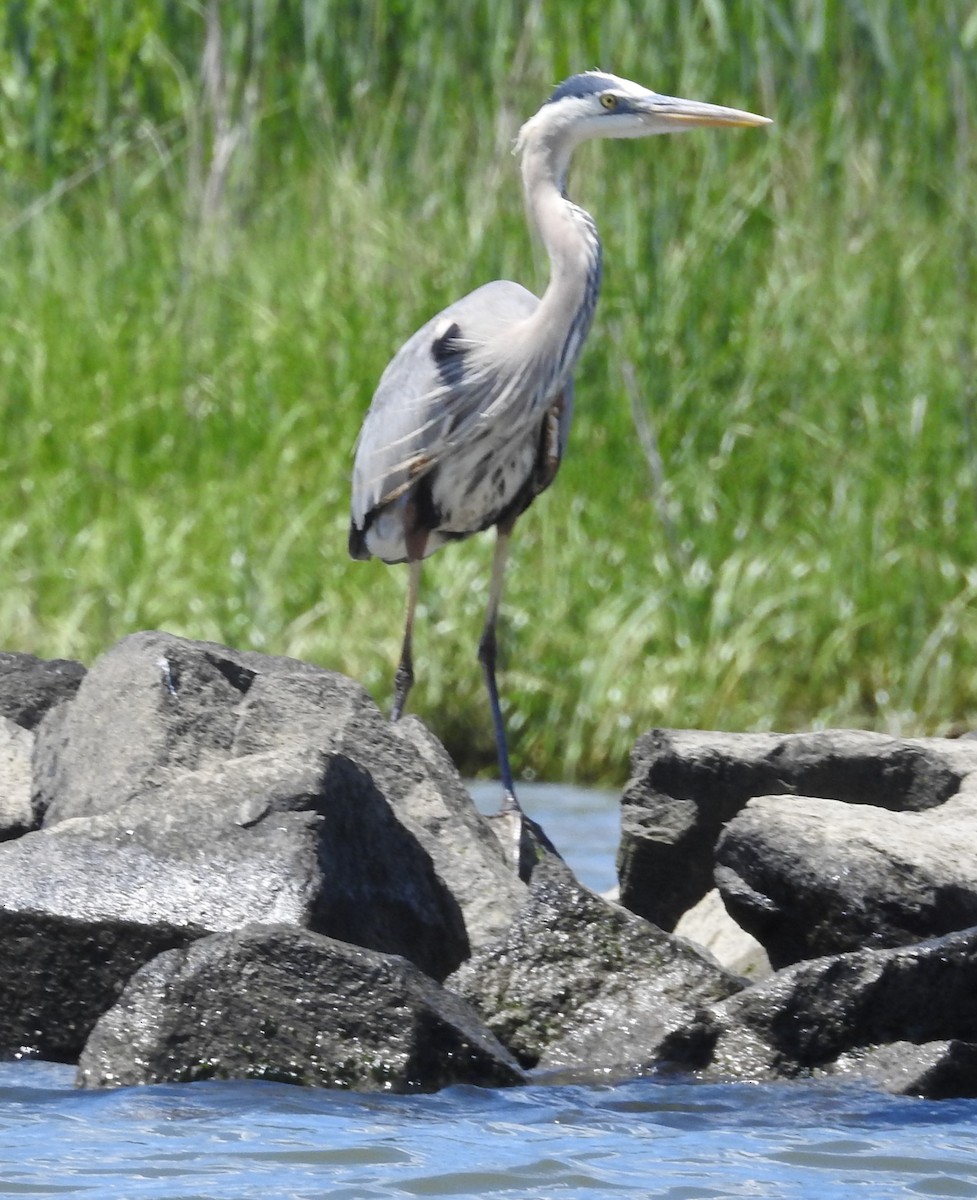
x=430, y=396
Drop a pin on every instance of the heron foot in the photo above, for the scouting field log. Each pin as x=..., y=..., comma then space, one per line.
x=509, y=802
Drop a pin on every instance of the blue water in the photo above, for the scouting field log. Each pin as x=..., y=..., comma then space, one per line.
x=643, y=1138
x=640, y=1139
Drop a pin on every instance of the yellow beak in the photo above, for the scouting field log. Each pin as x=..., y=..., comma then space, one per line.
x=682, y=113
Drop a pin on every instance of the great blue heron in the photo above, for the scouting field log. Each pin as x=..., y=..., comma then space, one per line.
x=470, y=419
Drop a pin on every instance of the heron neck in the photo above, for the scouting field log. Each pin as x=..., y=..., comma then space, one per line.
x=570, y=238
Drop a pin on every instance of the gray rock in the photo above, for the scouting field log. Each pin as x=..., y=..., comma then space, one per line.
x=152, y=706
x=30, y=687
x=936, y=1070
x=156, y=707
x=411, y=768
x=810, y=877
x=685, y=785
x=431, y=800
x=298, y=837
x=827, y=1013
x=578, y=982
x=284, y=1004
x=16, y=748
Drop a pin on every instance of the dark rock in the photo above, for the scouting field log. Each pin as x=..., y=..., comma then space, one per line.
x=284, y=1004
x=823, y=1014
x=809, y=877
x=303, y=838
x=580, y=982
x=685, y=785
x=30, y=687
x=58, y=975
x=16, y=748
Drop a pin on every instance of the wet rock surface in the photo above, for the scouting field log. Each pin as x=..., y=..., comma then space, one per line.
x=903, y=1013
x=248, y=840
x=273, y=1002
x=580, y=982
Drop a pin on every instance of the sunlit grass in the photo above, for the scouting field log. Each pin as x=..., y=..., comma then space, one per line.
x=791, y=310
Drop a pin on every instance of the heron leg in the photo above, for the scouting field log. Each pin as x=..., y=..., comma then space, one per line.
x=404, y=678
x=487, y=656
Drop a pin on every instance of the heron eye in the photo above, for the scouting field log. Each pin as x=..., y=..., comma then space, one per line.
x=609, y=101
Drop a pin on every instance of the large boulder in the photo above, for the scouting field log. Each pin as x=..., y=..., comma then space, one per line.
x=904, y=1018
x=284, y=1004
x=152, y=706
x=156, y=707
x=686, y=785
x=580, y=983
x=809, y=877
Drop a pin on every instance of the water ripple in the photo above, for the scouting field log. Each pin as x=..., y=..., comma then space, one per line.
x=649, y=1138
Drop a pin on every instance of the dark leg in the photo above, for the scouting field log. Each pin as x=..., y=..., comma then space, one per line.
x=486, y=656
x=405, y=668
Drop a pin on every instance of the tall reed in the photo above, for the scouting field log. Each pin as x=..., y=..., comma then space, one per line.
x=218, y=222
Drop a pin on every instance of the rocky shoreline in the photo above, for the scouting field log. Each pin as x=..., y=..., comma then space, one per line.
x=216, y=863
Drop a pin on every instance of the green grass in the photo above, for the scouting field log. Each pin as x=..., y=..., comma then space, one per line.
x=790, y=311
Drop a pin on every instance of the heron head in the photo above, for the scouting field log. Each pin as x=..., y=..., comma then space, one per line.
x=598, y=105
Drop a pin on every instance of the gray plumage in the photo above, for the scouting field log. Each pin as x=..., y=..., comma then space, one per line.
x=445, y=433
x=470, y=420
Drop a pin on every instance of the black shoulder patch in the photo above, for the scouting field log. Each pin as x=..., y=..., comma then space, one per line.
x=448, y=352
x=578, y=86
x=446, y=344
